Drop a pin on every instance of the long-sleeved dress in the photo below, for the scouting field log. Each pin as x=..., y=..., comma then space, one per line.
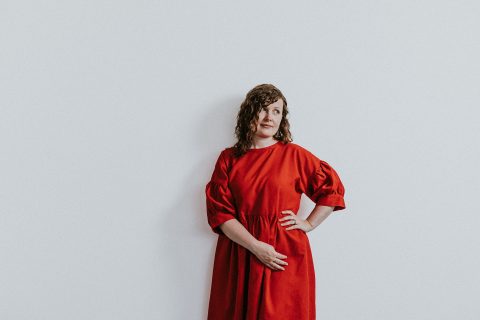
x=255, y=188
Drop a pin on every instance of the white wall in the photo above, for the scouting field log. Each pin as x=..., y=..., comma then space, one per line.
x=113, y=113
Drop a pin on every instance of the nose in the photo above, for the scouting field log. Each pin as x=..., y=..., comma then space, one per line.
x=268, y=115
x=268, y=120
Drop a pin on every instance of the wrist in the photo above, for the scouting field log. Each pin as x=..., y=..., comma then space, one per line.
x=310, y=224
x=252, y=247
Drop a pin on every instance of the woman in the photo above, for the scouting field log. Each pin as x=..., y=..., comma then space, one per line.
x=263, y=266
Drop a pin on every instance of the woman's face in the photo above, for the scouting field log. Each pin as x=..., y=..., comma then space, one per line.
x=269, y=119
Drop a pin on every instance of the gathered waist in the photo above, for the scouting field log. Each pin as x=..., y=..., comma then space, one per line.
x=267, y=228
x=262, y=217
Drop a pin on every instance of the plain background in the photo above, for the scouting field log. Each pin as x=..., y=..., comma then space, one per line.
x=114, y=112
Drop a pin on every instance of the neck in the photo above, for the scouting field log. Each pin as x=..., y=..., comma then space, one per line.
x=262, y=142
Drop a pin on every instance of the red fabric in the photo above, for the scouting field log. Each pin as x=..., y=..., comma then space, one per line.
x=254, y=189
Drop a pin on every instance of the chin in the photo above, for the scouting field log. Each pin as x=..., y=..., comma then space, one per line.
x=266, y=136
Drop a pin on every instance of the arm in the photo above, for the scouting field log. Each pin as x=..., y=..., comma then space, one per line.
x=314, y=219
x=321, y=183
x=318, y=214
x=236, y=232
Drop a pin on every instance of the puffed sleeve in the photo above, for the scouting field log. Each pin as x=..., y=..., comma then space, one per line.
x=321, y=183
x=220, y=202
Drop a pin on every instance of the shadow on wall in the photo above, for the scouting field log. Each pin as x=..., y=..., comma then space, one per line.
x=187, y=244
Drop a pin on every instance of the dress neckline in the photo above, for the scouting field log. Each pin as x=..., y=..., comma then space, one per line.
x=265, y=148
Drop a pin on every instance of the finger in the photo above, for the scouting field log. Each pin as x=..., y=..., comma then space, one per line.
x=295, y=226
x=281, y=262
x=290, y=212
x=293, y=220
x=290, y=222
x=287, y=218
x=270, y=265
x=277, y=266
x=280, y=256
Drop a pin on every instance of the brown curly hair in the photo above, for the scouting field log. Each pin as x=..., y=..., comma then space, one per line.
x=260, y=96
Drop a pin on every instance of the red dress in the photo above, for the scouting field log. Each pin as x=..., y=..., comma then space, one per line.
x=255, y=189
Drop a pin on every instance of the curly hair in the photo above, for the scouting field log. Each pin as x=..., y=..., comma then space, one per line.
x=260, y=96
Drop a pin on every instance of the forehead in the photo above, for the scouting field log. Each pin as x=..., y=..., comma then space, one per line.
x=277, y=104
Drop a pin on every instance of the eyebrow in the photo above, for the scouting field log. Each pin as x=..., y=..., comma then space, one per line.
x=265, y=107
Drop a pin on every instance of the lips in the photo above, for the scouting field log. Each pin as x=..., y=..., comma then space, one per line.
x=266, y=126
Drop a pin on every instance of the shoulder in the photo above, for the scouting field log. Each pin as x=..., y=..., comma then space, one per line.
x=295, y=147
x=227, y=152
x=299, y=150
x=226, y=157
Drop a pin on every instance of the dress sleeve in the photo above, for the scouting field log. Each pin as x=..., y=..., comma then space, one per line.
x=220, y=202
x=321, y=183
x=325, y=188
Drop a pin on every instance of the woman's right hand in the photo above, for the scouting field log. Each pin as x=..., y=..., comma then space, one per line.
x=268, y=256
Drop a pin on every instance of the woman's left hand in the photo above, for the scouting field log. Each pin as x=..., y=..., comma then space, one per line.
x=294, y=222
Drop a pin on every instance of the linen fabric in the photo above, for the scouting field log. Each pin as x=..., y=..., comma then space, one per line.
x=254, y=189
